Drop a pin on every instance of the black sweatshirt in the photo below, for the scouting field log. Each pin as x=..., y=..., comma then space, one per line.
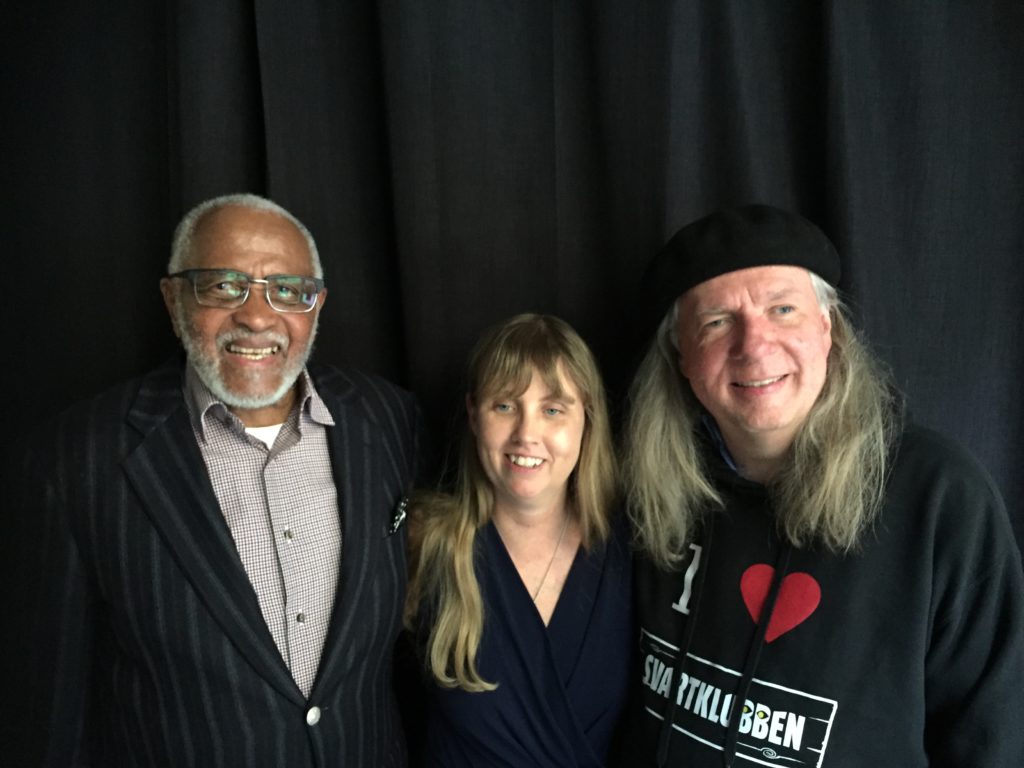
x=909, y=652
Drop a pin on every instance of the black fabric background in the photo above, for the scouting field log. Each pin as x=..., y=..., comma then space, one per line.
x=460, y=161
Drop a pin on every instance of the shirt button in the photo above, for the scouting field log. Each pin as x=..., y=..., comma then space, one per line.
x=288, y=535
x=301, y=618
x=313, y=716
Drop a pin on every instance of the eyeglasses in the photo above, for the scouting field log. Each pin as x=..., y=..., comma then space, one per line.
x=228, y=289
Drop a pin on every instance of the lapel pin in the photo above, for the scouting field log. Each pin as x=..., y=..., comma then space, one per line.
x=399, y=519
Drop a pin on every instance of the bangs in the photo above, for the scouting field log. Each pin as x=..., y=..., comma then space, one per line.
x=506, y=368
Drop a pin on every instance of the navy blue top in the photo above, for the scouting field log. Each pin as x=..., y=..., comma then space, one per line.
x=560, y=687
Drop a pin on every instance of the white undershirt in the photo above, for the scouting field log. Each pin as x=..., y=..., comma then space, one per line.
x=266, y=435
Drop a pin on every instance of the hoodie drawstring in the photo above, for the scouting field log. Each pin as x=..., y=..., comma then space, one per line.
x=668, y=716
x=757, y=643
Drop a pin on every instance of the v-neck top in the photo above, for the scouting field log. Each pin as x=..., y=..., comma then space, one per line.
x=561, y=687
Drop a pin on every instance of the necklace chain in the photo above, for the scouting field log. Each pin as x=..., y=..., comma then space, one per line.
x=565, y=524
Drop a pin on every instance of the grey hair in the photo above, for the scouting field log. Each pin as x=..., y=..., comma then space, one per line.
x=832, y=485
x=184, y=233
x=665, y=481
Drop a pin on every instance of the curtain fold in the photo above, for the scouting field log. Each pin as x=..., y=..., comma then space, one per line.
x=459, y=162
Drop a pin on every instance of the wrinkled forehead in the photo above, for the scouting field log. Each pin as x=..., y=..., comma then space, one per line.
x=757, y=285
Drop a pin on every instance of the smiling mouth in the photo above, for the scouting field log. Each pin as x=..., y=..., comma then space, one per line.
x=253, y=353
x=529, y=462
x=757, y=383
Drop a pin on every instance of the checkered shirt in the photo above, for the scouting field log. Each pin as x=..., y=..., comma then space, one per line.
x=281, y=506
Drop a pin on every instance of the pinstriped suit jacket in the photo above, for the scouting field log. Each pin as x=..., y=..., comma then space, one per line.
x=146, y=642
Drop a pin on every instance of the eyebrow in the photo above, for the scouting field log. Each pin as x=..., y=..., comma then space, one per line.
x=782, y=293
x=771, y=297
x=563, y=398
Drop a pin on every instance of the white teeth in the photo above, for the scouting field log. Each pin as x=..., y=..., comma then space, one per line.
x=525, y=461
x=761, y=383
x=252, y=352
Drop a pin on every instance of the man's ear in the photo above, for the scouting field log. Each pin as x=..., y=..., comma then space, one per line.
x=170, y=294
x=826, y=325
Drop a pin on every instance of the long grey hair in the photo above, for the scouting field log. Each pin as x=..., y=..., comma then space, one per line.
x=832, y=485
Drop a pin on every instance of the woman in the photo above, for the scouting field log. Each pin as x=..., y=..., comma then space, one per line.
x=520, y=580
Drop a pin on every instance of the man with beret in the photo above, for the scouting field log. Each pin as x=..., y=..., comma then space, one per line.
x=212, y=568
x=820, y=582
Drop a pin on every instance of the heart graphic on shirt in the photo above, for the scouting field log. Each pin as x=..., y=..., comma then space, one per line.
x=799, y=595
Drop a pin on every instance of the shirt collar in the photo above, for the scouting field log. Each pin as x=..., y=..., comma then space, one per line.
x=203, y=404
x=716, y=437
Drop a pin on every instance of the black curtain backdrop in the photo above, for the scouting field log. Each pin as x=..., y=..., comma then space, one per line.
x=460, y=161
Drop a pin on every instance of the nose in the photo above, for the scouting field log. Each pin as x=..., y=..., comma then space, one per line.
x=753, y=337
x=524, y=428
x=256, y=314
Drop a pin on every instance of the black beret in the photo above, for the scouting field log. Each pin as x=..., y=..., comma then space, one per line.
x=726, y=241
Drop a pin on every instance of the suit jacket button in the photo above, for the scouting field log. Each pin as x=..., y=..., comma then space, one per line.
x=313, y=716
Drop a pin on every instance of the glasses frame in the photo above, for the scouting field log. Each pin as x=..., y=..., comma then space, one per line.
x=192, y=274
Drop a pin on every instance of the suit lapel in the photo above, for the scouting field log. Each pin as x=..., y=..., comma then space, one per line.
x=168, y=473
x=354, y=447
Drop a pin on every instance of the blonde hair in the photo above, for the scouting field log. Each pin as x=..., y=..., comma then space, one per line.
x=833, y=482
x=443, y=587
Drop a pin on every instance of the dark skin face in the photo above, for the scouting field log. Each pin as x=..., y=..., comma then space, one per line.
x=253, y=348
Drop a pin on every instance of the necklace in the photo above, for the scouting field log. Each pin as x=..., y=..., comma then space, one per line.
x=565, y=524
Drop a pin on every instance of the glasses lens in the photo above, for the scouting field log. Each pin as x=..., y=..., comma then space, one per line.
x=291, y=293
x=220, y=287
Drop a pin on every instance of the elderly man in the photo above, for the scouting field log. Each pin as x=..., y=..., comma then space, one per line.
x=820, y=583
x=218, y=557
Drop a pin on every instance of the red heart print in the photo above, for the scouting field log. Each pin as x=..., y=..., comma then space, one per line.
x=799, y=595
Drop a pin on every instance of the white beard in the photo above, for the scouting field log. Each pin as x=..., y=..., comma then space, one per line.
x=208, y=369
